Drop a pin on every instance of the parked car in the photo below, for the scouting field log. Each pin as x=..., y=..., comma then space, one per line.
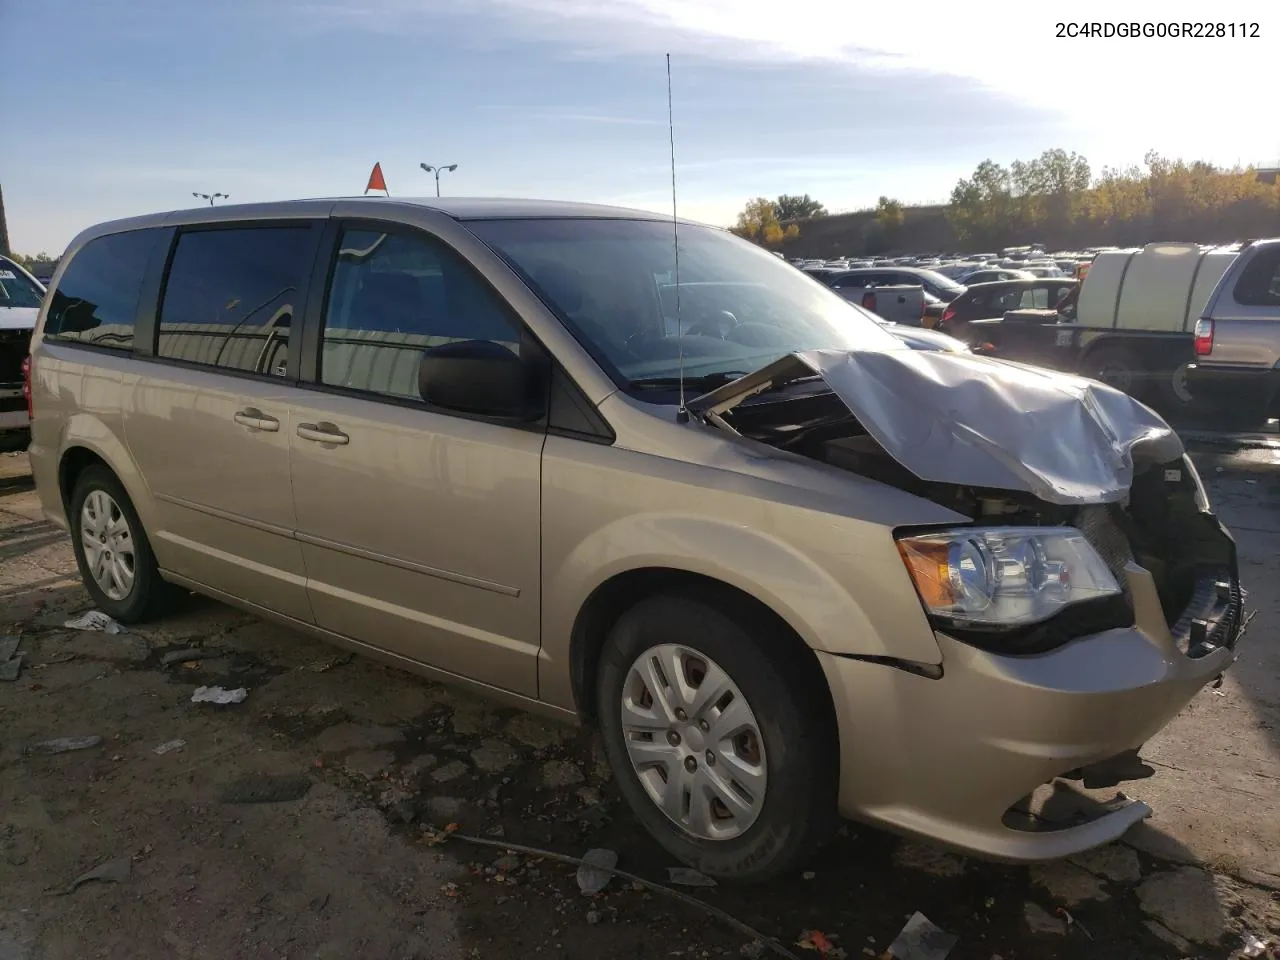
x=985, y=300
x=20, y=296
x=43, y=270
x=993, y=275
x=935, y=284
x=918, y=339
x=1237, y=368
x=790, y=566
x=1042, y=270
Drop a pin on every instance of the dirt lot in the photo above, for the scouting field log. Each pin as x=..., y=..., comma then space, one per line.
x=292, y=824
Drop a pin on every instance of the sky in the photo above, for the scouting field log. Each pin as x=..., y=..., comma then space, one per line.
x=112, y=109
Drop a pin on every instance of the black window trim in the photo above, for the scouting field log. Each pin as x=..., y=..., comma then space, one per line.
x=319, y=285
x=316, y=226
x=140, y=305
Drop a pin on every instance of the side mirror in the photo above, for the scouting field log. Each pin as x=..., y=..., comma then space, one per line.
x=479, y=377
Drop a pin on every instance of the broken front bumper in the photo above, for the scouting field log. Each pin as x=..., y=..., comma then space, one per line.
x=947, y=759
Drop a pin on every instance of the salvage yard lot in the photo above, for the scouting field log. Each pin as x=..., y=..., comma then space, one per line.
x=354, y=760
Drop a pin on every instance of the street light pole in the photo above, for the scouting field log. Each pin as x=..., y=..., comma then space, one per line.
x=437, y=171
x=212, y=196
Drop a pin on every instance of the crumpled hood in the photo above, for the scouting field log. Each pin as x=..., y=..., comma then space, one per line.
x=18, y=318
x=974, y=421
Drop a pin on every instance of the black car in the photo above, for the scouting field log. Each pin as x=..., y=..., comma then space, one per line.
x=984, y=301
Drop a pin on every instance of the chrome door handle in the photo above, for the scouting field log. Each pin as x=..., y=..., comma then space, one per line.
x=322, y=432
x=255, y=418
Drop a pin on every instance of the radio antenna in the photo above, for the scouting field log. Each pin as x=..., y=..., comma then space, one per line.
x=682, y=415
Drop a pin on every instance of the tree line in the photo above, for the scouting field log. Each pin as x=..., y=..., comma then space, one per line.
x=1056, y=198
x=27, y=261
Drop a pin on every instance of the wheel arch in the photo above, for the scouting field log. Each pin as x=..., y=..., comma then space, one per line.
x=87, y=441
x=623, y=591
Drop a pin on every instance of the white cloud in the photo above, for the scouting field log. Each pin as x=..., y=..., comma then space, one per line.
x=1116, y=96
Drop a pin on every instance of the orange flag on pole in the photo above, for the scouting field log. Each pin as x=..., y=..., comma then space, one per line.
x=376, y=181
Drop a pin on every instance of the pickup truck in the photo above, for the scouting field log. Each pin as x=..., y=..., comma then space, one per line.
x=1130, y=323
x=899, y=303
x=1047, y=338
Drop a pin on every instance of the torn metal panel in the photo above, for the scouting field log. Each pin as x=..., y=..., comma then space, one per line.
x=974, y=421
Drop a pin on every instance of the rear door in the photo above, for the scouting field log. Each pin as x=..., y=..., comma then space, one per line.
x=419, y=526
x=1246, y=317
x=207, y=414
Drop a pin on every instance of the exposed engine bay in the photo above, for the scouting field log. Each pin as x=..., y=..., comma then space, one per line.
x=1162, y=524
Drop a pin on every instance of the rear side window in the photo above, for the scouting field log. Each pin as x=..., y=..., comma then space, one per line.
x=230, y=296
x=1259, y=283
x=97, y=298
x=1037, y=298
x=393, y=296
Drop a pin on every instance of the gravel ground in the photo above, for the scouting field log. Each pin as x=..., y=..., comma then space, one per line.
x=298, y=823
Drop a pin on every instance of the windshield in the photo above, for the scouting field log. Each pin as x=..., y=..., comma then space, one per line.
x=613, y=283
x=15, y=289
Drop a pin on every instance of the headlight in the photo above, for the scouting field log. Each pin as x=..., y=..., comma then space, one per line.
x=1005, y=576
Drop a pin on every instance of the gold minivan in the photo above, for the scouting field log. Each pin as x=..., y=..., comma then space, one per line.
x=792, y=568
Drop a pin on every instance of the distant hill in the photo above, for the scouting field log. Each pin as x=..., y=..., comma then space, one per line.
x=924, y=229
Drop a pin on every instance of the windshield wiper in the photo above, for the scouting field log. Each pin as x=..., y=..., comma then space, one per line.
x=708, y=381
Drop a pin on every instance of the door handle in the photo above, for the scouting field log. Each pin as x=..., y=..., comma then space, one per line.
x=322, y=432
x=255, y=418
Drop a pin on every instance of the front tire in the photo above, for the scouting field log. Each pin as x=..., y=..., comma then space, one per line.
x=112, y=550
x=711, y=726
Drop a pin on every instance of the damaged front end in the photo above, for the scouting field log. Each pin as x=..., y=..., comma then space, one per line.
x=1123, y=592
x=1010, y=446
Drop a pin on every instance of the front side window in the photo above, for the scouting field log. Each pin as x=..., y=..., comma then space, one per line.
x=393, y=296
x=612, y=282
x=97, y=297
x=1259, y=283
x=230, y=296
x=16, y=288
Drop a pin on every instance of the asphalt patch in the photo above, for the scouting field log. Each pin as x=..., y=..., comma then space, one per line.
x=266, y=788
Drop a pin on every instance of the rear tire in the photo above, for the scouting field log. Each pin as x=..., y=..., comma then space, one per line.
x=1118, y=368
x=1175, y=396
x=774, y=758
x=112, y=550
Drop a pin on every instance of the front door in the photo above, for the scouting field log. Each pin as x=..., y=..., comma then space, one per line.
x=419, y=527
x=207, y=420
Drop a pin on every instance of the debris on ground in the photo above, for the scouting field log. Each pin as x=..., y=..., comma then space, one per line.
x=324, y=666
x=168, y=747
x=180, y=656
x=112, y=871
x=687, y=877
x=507, y=863
x=266, y=788
x=218, y=695
x=1072, y=922
x=1255, y=947
x=821, y=943
x=753, y=950
x=66, y=744
x=10, y=659
x=594, y=873
x=922, y=940
x=96, y=621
